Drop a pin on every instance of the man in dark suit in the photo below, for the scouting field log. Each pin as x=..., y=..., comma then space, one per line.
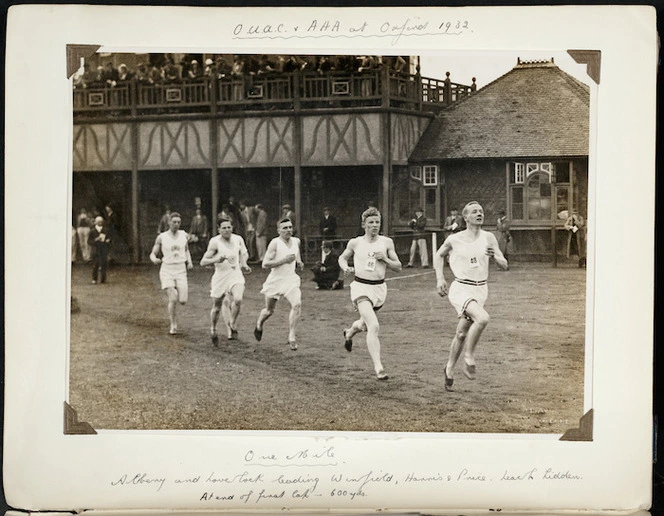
x=328, y=224
x=100, y=241
x=326, y=271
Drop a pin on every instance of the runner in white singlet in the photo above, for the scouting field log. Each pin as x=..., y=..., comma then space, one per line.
x=229, y=255
x=469, y=253
x=282, y=257
x=372, y=255
x=175, y=259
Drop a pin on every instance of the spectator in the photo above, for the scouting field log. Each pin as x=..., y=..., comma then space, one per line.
x=73, y=244
x=248, y=216
x=209, y=68
x=288, y=213
x=326, y=270
x=198, y=234
x=194, y=73
x=574, y=226
x=261, y=228
x=453, y=222
x=419, y=239
x=142, y=74
x=171, y=72
x=164, y=222
x=226, y=213
x=238, y=226
x=124, y=74
x=328, y=224
x=504, y=236
x=83, y=224
x=100, y=240
x=325, y=65
x=110, y=75
x=111, y=226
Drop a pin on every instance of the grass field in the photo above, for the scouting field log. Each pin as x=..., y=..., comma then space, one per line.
x=126, y=372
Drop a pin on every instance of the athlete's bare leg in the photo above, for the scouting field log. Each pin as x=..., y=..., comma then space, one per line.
x=456, y=347
x=480, y=319
x=370, y=320
x=265, y=314
x=172, y=294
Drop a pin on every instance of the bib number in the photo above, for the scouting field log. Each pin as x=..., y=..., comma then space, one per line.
x=474, y=262
x=370, y=264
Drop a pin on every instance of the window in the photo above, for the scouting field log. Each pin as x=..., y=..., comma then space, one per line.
x=430, y=176
x=532, y=194
x=519, y=173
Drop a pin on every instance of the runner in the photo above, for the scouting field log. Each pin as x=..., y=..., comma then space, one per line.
x=173, y=247
x=469, y=253
x=372, y=254
x=229, y=255
x=282, y=257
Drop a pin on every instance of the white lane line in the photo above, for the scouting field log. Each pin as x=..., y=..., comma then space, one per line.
x=410, y=275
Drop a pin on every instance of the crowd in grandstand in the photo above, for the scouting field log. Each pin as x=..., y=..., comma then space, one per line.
x=168, y=71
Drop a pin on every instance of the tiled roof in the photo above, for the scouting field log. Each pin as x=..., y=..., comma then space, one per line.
x=536, y=109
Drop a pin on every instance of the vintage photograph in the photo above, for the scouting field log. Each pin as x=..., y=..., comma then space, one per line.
x=361, y=243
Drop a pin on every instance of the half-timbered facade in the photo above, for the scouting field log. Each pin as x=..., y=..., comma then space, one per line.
x=307, y=139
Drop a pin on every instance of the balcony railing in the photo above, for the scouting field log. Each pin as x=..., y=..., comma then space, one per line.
x=272, y=91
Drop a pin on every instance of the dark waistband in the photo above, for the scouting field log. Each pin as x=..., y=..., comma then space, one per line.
x=369, y=281
x=470, y=282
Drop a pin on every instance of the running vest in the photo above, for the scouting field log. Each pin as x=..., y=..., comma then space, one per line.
x=231, y=250
x=364, y=263
x=285, y=269
x=469, y=260
x=174, y=248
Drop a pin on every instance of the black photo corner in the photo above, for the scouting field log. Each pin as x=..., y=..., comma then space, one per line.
x=658, y=357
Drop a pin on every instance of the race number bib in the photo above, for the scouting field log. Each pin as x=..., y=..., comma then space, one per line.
x=231, y=261
x=474, y=262
x=370, y=264
x=176, y=251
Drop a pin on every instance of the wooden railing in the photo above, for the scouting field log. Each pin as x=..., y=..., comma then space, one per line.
x=270, y=91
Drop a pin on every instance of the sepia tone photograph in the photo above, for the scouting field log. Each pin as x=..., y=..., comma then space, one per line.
x=361, y=243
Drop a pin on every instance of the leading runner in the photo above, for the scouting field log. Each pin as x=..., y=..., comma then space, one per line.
x=469, y=253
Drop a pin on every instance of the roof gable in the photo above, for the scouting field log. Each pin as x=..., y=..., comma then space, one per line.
x=536, y=109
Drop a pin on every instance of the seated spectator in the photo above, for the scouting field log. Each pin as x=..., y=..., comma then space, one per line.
x=326, y=271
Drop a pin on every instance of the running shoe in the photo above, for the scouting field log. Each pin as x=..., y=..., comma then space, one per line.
x=348, y=343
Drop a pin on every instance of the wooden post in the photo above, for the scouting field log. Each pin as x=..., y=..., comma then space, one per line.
x=214, y=154
x=387, y=165
x=297, y=143
x=135, y=240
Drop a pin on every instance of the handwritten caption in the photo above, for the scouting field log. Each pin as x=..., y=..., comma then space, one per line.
x=321, y=28
x=269, y=476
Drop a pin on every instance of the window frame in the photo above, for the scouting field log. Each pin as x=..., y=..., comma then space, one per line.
x=518, y=175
